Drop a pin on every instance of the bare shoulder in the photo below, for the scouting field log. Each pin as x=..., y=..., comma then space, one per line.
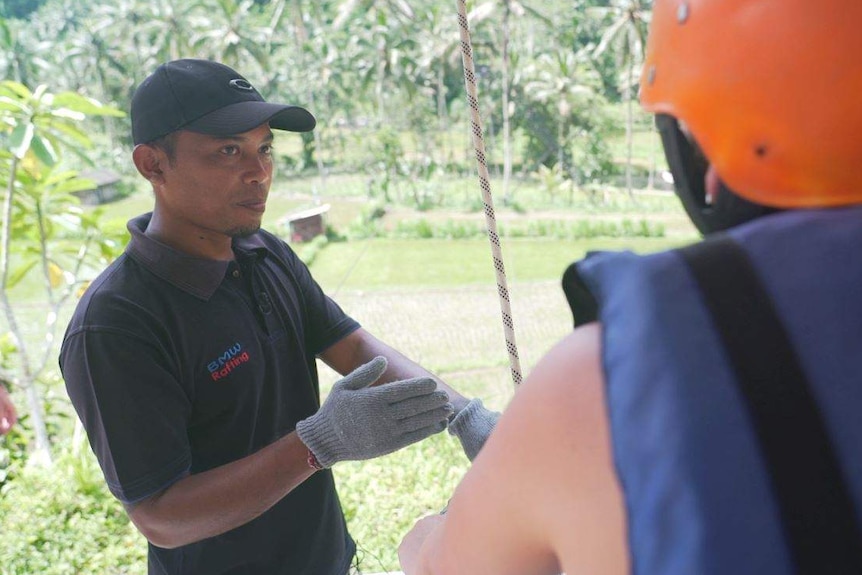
x=570, y=368
x=562, y=396
x=558, y=415
x=543, y=488
x=561, y=420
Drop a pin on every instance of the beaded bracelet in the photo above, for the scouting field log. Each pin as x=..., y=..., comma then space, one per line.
x=313, y=462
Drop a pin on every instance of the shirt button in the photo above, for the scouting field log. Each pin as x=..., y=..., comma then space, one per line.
x=235, y=273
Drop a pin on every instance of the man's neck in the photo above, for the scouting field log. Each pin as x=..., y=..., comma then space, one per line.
x=187, y=239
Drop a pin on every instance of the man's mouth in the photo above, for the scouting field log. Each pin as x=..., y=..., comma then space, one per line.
x=254, y=205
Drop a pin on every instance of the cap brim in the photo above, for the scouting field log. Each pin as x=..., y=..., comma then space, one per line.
x=244, y=116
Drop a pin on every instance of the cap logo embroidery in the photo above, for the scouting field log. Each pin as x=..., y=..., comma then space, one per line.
x=240, y=84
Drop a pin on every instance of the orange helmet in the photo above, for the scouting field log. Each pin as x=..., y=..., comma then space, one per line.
x=771, y=91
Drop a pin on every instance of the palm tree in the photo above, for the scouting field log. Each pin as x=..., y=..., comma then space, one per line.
x=309, y=65
x=567, y=81
x=93, y=57
x=440, y=55
x=510, y=9
x=17, y=58
x=384, y=36
x=162, y=29
x=626, y=36
x=229, y=34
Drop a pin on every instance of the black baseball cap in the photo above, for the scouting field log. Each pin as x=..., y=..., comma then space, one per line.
x=206, y=97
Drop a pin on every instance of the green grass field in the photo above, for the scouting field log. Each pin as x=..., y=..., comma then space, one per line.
x=394, y=263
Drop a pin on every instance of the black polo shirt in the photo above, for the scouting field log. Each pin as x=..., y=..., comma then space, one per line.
x=177, y=365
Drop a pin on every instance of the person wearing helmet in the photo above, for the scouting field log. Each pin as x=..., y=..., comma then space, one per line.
x=705, y=420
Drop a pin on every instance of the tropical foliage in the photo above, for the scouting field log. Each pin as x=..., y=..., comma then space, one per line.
x=43, y=230
x=356, y=63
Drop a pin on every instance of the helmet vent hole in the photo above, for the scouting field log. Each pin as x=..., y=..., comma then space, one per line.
x=682, y=13
x=761, y=151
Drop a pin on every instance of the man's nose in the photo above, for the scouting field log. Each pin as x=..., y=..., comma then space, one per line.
x=258, y=170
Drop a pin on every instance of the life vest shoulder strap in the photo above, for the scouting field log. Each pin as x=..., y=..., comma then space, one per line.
x=815, y=505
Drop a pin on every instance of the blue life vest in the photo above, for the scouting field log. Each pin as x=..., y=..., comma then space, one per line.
x=696, y=488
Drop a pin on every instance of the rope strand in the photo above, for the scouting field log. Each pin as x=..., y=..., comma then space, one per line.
x=484, y=181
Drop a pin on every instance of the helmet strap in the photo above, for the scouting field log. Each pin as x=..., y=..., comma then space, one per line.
x=689, y=166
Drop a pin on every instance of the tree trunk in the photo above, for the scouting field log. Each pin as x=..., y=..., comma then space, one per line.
x=301, y=36
x=28, y=379
x=507, y=138
x=442, y=116
x=381, y=73
x=629, y=138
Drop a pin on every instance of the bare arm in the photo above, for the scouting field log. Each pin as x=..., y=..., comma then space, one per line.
x=8, y=417
x=210, y=503
x=542, y=496
x=361, y=347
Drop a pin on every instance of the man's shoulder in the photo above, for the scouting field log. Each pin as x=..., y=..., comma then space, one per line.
x=276, y=248
x=272, y=242
x=124, y=281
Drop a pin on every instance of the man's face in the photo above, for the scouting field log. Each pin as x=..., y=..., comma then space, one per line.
x=217, y=186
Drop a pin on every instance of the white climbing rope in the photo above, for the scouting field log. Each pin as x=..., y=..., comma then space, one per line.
x=484, y=181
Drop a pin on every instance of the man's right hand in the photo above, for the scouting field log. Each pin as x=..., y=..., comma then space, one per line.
x=359, y=422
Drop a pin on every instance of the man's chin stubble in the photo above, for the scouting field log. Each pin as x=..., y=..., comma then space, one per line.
x=239, y=233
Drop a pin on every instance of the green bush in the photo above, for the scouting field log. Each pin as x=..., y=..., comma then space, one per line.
x=61, y=520
x=584, y=229
x=308, y=252
x=13, y=453
x=368, y=223
x=419, y=229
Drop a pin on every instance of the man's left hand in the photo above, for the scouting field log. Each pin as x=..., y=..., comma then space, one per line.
x=472, y=426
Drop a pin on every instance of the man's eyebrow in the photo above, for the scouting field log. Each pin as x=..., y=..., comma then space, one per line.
x=238, y=138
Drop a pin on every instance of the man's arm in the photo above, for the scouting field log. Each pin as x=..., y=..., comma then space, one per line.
x=361, y=347
x=470, y=422
x=542, y=497
x=355, y=422
x=8, y=417
x=210, y=503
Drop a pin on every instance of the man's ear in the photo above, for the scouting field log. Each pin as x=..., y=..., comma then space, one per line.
x=149, y=161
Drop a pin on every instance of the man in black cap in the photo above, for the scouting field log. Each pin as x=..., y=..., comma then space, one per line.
x=191, y=359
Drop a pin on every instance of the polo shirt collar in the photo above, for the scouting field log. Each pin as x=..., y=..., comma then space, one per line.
x=199, y=277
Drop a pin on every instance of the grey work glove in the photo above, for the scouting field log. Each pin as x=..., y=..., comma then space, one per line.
x=472, y=426
x=360, y=422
